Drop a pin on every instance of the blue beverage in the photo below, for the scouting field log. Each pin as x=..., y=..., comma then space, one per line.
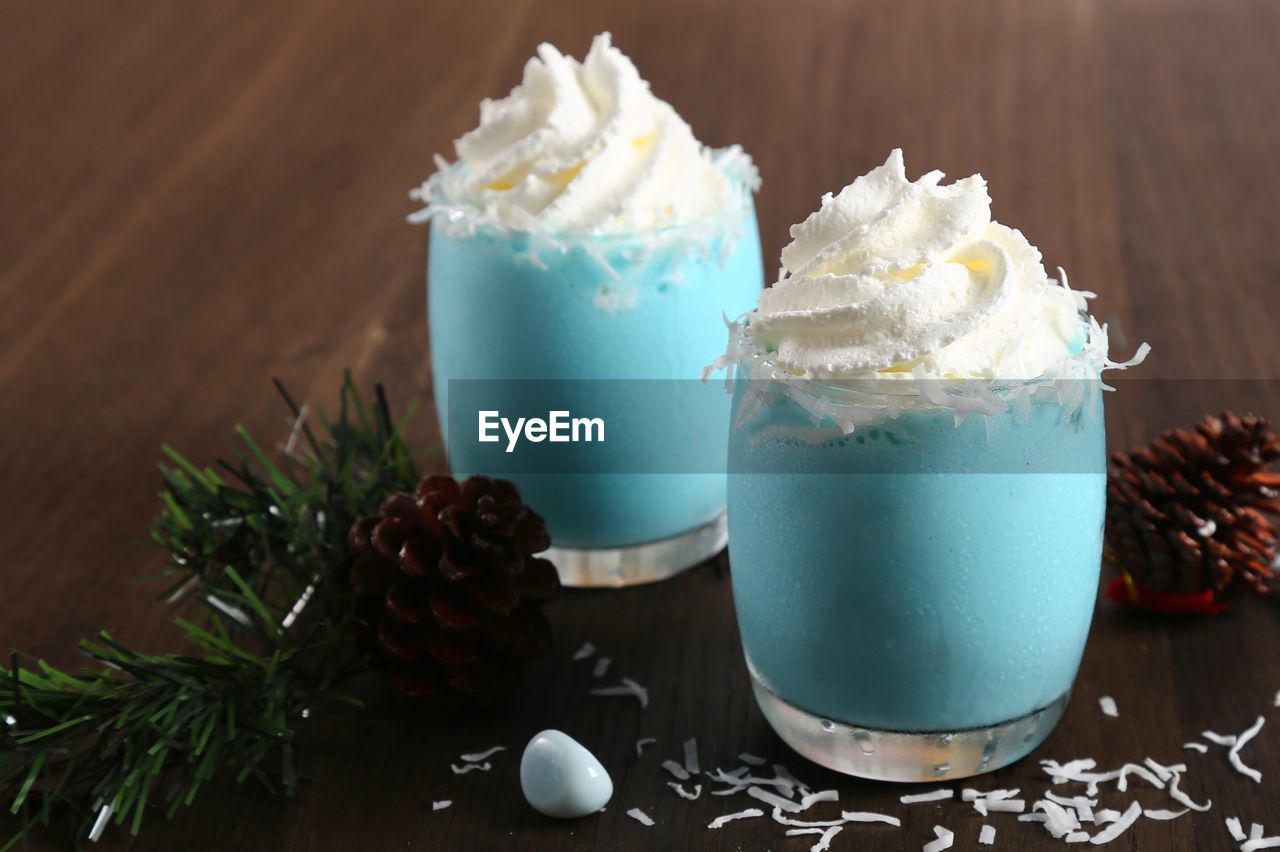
x=914, y=597
x=507, y=306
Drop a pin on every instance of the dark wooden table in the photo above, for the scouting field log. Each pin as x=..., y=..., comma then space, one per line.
x=198, y=197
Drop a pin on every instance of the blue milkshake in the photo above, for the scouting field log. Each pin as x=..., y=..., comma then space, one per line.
x=917, y=485
x=584, y=251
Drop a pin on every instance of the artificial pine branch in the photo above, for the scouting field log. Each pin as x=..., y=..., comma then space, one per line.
x=264, y=543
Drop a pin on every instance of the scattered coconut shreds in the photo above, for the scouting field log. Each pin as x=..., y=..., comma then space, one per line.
x=691, y=756
x=1031, y=818
x=773, y=799
x=784, y=775
x=738, y=780
x=987, y=836
x=585, y=651
x=602, y=666
x=1007, y=806
x=640, y=744
x=865, y=816
x=1164, y=773
x=1120, y=826
x=628, y=688
x=971, y=795
x=1234, y=754
x=727, y=818
x=1183, y=799
x=1255, y=831
x=639, y=816
x=1200, y=747
x=1058, y=820
x=1104, y=816
x=675, y=769
x=780, y=819
x=808, y=800
x=441, y=805
x=1219, y=739
x=683, y=793
x=1237, y=833
x=931, y=796
x=1156, y=813
x=944, y=841
x=470, y=767
x=1077, y=837
x=824, y=843
x=478, y=756
x=752, y=760
x=1260, y=843
x=1108, y=706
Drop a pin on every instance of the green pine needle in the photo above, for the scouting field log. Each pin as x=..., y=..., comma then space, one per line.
x=135, y=733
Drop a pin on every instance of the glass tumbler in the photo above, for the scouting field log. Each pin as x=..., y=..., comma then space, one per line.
x=520, y=319
x=914, y=595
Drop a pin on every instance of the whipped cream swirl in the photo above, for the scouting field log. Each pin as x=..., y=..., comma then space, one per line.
x=586, y=148
x=894, y=278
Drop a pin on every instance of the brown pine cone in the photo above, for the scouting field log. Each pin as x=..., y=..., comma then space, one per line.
x=449, y=593
x=1188, y=515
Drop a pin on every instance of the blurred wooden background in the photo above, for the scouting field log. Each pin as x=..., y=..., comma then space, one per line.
x=199, y=196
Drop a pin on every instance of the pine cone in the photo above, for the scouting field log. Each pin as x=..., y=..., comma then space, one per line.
x=449, y=594
x=1187, y=516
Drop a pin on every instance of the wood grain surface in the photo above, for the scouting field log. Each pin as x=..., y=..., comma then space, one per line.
x=200, y=196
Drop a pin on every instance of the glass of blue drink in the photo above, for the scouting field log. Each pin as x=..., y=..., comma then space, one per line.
x=583, y=246
x=917, y=485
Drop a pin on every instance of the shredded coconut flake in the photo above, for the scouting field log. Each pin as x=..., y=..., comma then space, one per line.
x=691, y=756
x=1108, y=706
x=752, y=760
x=1200, y=747
x=932, y=796
x=1234, y=754
x=476, y=757
x=683, y=793
x=640, y=744
x=585, y=651
x=441, y=805
x=773, y=799
x=602, y=667
x=675, y=769
x=727, y=818
x=865, y=816
x=987, y=836
x=1120, y=826
x=1233, y=826
x=944, y=841
x=1008, y=806
x=1183, y=799
x=639, y=816
x=824, y=843
x=1077, y=837
x=628, y=688
x=1156, y=813
x=470, y=767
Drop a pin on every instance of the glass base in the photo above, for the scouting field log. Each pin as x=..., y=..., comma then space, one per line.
x=909, y=757
x=642, y=563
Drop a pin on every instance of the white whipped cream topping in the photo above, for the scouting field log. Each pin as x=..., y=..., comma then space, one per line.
x=894, y=278
x=585, y=147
